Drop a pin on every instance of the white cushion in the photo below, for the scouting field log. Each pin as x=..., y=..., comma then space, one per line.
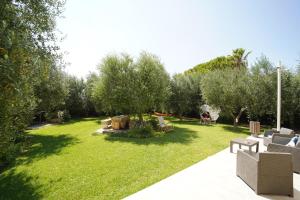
x=293, y=141
x=291, y=144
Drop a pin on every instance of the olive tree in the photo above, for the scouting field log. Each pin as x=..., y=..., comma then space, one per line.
x=151, y=83
x=27, y=42
x=115, y=86
x=51, y=91
x=228, y=90
x=76, y=101
x=263, y=93
x=90, y=82
x=263, y=90
x=185, y=97
x=128, y=87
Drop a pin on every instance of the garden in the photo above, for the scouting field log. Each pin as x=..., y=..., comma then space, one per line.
x=69, y=161
x=49, y=144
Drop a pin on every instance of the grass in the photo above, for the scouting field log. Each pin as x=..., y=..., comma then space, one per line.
x=70, y=162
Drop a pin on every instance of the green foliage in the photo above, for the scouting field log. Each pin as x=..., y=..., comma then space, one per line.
x=254, y=90
x=115, y=86
x=228, y=90
x=222, y=62
x=64, y=116
x=141, y=132
x=185, y=97
x=262, y=100
x=290, y=98
x=58, y=116
x=27, y=50
x=76, y=102
x=51, y=91
x=263, y=90
x=238, y=59
x=131, y=88
x=90, y=103
x=151, y=83
x=153, y=122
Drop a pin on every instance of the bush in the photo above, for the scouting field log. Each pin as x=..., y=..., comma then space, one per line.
x=58, y=117
x=154, y=123
x=145, y=131
x=64, y=116
x=141, y=132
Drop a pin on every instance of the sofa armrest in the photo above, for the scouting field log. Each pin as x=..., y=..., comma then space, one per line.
x=247, y=167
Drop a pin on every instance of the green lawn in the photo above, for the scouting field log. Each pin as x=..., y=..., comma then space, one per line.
x=70, y=162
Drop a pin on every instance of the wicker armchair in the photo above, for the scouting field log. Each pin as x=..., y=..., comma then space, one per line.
x=279, y=145
x=269, y=134
x=266, y=173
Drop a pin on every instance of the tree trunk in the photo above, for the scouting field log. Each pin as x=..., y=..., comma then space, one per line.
x=237, y=118
x=180, y=117
x=141, y=117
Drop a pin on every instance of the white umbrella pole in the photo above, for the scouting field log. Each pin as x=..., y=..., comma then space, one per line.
x=278, y=96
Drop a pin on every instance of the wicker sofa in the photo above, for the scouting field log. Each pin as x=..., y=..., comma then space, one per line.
x=279, y=145
x=269, y=133
x=266, y=173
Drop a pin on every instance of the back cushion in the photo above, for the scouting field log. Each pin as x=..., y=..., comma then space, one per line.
x=281, y=140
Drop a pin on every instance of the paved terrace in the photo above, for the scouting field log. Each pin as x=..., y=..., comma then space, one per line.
x=212, y=178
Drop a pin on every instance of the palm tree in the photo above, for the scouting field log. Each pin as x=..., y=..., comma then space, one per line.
x=239, y=58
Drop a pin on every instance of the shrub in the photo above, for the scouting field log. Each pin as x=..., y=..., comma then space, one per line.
x=154, y=123
x=145, y=131
x=58, y=117
x=63, y=116
x=141, y=132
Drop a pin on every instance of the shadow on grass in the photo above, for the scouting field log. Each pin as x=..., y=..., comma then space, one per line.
x=238, y=130
x=76, y=120
x=17, y=186
x=192, y=122
x=185, y=122
x=178, y=135
x=70, y=122
x=42, y=146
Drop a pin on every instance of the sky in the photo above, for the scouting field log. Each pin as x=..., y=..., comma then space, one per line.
x=182, y=33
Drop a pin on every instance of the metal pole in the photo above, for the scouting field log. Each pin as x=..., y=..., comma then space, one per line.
x=278, y=95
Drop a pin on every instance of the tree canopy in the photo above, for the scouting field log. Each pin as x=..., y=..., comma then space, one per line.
x=129, y=87
x=238, y=59
x=185, y=97
x=227, y=90
x=27, y=51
